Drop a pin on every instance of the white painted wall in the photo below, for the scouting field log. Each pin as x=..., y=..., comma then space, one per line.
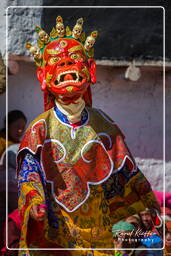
x=137, y=107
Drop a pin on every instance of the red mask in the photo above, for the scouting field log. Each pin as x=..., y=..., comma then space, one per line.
x=67, y=72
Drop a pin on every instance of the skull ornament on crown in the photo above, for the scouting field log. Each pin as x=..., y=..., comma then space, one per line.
x=43, y=36
x=60, y=29
x=35, y=52
x=65, y=69
x=90, y=40
x=77, y=30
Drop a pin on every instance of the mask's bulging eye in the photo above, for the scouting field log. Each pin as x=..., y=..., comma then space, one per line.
x=75, y=56
x=53, y=60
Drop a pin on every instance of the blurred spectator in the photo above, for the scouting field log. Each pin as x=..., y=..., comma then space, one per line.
x=167, y=250
x=123, y=237
x=168, y=242
x=166, y=213
x=135, y=220
x=146, y=219
x=159, y=196
x=14, y=227
x=16, y=125
x=151, y=238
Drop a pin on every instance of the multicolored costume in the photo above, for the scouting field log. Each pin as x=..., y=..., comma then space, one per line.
x=73, y=158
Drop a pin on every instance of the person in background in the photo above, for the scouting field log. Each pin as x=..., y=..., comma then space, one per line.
x=151, y=238
x=167, y=250
x=168, y=243
x=164, y=200
x=16, y=126
x=14, y=227
x=124, y=237
x=147, y=223
x=134, y=220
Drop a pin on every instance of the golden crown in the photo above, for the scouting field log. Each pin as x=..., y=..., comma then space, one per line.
x=59, y=31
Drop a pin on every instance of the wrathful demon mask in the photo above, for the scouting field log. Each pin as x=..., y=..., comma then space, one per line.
x=65, y=64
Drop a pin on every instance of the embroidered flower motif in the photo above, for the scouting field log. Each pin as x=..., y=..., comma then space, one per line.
x=85, y=209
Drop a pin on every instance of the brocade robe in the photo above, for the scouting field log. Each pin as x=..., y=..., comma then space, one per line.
x=85, y=175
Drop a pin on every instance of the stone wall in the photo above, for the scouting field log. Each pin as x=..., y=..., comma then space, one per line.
x=21, y=24
x=3, y=27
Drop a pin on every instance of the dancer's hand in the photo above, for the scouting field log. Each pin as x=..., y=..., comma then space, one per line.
x=38, y=212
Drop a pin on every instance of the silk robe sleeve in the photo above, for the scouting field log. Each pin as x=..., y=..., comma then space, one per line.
x=31, y=190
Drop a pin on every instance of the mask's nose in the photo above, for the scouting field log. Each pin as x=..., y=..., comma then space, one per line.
x=66, y=62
